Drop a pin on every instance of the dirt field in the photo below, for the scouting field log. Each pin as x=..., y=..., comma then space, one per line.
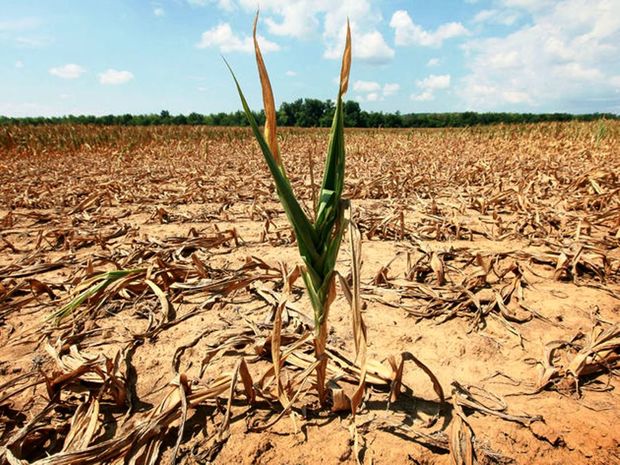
x=491, y=255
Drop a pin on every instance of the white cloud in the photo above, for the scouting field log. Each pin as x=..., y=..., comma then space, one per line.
x=366, y=86
x=24, y=32
x=429, y=85
x=425, y=96
x=434, y=82
x=565, y=57
x=309, y=18
x=505, y=59
x=33, y=42
x=484, y=15
x=68, y=71
x=406, y=32
x=323, y=20
x=515, y=96
x=372, y=91
x=291, y=73
x=496, y=16
x=22, y=24
x=222, y=37
x=532, y=5
x=433, y=62
x=369, y=47
x=372, y=48
x=159, y=12
x=298, y=19
x=19, y=64
x=390, y=89
x=115, y=77
x=577, y=71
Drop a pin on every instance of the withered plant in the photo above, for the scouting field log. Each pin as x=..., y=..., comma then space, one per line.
x=319, y=240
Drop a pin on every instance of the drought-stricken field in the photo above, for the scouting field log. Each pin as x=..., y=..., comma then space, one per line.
x=489, y=255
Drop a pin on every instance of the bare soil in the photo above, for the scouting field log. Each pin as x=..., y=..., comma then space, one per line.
x=489, y=254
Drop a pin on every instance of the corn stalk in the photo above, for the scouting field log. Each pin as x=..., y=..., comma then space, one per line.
x=318, y=241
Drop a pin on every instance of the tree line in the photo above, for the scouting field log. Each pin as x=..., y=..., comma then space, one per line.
x=315, y=113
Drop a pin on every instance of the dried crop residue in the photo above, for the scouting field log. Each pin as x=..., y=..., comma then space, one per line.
x=142, y=271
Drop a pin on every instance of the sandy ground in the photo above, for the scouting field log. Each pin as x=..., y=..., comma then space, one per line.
x=524, y=223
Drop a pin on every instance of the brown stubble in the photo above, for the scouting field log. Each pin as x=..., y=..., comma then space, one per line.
x=512, y=229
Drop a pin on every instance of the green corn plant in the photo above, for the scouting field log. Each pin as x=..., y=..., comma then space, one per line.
x=93, y=286
x=318, y=241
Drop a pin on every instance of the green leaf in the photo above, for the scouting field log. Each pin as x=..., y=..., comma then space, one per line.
x=304, y=230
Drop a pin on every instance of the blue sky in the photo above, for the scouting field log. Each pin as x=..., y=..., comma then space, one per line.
x=135, y=56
